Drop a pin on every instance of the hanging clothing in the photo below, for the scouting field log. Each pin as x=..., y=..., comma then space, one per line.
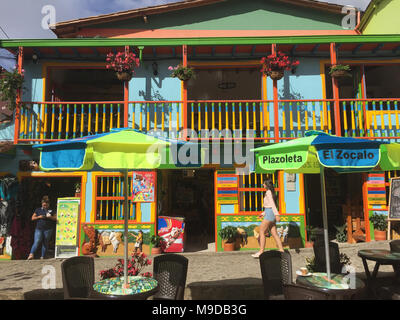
x=8, y=187
x=21, y=238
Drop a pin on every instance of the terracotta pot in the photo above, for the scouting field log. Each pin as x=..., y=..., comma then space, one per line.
x=229, y=246
x=380, y=235
x=276, y=75
x=155, y=250
x=124, y=76
x=77, y=194
x=308, y=244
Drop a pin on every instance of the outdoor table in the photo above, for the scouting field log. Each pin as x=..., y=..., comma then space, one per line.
x=139, y=288
x=340, y=287
x=381, y=257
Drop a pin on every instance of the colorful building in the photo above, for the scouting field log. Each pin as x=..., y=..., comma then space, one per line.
x=69, y=93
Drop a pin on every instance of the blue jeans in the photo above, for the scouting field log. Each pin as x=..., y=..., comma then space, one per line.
x=41, y=237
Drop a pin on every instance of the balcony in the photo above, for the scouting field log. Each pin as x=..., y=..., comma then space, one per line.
x=263, y=120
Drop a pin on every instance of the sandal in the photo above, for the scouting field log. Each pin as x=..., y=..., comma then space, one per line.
x=256, y=255
x=30, y=257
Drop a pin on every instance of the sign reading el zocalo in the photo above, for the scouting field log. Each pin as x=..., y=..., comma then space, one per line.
x=333, y=157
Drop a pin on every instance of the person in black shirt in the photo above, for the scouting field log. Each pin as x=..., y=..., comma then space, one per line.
x=45, y=220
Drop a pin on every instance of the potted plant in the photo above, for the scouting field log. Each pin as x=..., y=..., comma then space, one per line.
x=274, y=65
x=77, y=189
x=380, y=224
x=157, y=243
x=228, y=234
x=310, y=237
x=339, y=71
x=137, y=262
x=311, y=264
x=181, y=72
x=123, y=63
x=341, y=233
x=10, y=83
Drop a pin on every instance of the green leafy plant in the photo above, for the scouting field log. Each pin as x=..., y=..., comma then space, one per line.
x=181, y=72
x=137, y=262
x=341, y=233
x=228, y=233
x=157, y=241
x=10, y=83
x=311, y=264
x=379, y=221
x=311, y=233
x=344, y=69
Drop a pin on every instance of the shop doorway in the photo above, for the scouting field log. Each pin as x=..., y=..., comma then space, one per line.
x=189, y=194
x=343, y=198
x=32, y=190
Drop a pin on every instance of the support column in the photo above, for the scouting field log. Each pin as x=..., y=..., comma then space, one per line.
x=126, y=97
x=184, y=94
x=19, y=96
x=335, y=90
x=276, y=104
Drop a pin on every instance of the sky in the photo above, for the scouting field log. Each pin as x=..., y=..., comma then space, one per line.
x=22, y=19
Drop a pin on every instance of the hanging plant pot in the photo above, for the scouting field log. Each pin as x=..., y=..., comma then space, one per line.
x=124, y=76
x=340, y=74
x=184, y=77
x=276, y=74
x=380, y=235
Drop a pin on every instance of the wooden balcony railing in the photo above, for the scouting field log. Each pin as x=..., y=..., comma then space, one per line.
x=211, y=119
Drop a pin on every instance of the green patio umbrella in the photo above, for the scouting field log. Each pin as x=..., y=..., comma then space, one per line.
x=120, y=149
x=317, y=150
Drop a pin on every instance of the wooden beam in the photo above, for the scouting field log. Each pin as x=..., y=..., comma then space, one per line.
x=357, y=48
x=377, y=48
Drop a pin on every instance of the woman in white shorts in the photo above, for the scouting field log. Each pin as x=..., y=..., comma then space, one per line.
x=270, y=215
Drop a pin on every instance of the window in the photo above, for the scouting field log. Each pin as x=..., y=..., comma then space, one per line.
x=251, y=191
x=109, y=197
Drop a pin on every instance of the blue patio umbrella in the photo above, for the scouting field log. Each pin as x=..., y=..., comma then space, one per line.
x=120, y=149
x=317, y=151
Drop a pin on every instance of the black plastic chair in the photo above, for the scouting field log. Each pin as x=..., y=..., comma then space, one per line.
x=276, y=270
x=170, y=270
x=78, y=277
x=320, y=259
x=296, y=292
x=395, y=247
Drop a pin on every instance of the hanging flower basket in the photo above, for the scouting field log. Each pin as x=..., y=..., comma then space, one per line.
x=123, y=63
x=276, y=74
x=274, y=65
x=340, y=71
x=181, y=72
x=124, y=76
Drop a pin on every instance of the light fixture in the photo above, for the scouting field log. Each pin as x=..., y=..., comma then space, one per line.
x=155, y=68
x=35, y=58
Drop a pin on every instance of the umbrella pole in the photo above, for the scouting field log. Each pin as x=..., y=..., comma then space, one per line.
x=325, y=222
x=126, y=220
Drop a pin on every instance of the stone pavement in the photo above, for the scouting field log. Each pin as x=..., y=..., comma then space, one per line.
x=211, y=275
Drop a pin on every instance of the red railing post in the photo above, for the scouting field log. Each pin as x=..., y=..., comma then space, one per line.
x=335, y=87
x=276, y=103
x=184, y=95
x=18, y=100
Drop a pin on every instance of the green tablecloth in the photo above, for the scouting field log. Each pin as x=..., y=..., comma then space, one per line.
x=114, y=286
